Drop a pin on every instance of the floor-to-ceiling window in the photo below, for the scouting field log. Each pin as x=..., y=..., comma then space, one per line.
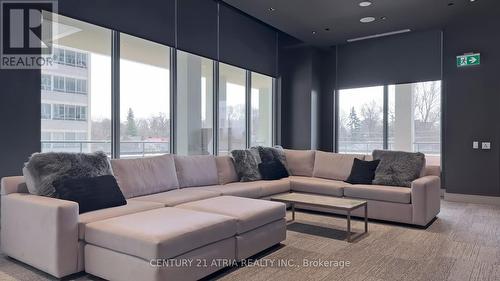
x=232, y=108
x=80, y=111
x=360, y=127
x=414, y=118
x=76, y=89
x=144, y=97
x=411, y=114
x=261, y=126
x=194, y=129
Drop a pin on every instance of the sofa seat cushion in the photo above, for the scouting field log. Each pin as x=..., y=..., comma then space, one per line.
x=98, y=215
x=249, y=213
x=161, y=233
x=275, y=187
x=379, y=192
x=243, y=189
x=318, y=186
x=179, y=196
x=198, y=170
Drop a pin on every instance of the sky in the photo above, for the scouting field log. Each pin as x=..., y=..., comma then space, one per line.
x=358, y=97
x=145, y=89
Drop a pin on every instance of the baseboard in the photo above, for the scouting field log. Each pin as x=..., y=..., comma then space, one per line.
x=475, y=199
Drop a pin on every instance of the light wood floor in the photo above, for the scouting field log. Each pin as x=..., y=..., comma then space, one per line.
x=462, y=244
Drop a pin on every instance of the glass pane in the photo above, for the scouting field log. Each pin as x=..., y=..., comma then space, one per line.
x=232, y=132
x=194, y=105
x=262, y=110
x=361, y=120
x=415, y=118
x=77, y=40
x=144, y=97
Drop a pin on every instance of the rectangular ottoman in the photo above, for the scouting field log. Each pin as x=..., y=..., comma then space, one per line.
x=161, y=244
x=260, y=224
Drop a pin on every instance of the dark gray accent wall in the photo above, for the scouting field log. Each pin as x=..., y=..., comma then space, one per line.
x=20, y=119
x=296, y=85
x=148, y=19
x=472, y=102
x=307, y=76
x=245, y=42
x=396, y=59
x=328, y=80
x=197, y=27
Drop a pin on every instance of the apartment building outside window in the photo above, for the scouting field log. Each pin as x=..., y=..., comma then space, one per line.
x=80, y=94
x=46, y=111
x=46, y=82
x=70, y=57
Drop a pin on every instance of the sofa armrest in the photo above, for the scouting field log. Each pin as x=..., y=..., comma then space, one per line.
x=15, y=184
x=40, y=231
x=426, y=199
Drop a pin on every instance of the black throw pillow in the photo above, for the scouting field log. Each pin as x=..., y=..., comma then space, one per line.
x=272, y=170
x=91, y=194
x=362, y=172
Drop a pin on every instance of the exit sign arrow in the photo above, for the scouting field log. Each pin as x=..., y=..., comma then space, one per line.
x=468, y=60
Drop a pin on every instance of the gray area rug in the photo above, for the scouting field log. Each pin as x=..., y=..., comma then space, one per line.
x=462, y=244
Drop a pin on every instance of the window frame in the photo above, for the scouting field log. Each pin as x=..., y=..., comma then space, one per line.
x=68, y=56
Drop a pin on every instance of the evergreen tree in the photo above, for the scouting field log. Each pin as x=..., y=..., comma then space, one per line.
x=354, y=123
x=131, y=125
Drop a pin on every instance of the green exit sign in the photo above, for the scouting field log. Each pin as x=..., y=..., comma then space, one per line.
x=468, y=60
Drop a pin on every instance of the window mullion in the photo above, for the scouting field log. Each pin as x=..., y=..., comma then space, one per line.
x=385, y=118
x=173, y=99
x=115, y=94
x=248, y=107
x=215, y=106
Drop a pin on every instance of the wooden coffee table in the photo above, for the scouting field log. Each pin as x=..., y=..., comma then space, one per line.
x=334, y=203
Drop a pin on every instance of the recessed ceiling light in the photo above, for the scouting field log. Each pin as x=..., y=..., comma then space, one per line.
x=272, y=9
x=383, y=18
x=365, y=4
x=367, y=19
x=313, y=33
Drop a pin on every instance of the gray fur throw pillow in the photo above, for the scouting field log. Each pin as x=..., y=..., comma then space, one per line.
x=275, y=153
x=397, y=168
x=246, y=164
x=42, y=169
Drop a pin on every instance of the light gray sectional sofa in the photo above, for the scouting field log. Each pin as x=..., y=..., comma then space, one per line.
x=188, y=208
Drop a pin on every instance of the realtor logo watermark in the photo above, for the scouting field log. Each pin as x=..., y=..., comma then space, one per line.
x=26, y=34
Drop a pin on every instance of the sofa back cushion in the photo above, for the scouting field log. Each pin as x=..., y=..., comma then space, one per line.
x=199, y=170
x=334, y=166
x=300, y=162
x=225, y=169
x=432, y=170
x=143, y=176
